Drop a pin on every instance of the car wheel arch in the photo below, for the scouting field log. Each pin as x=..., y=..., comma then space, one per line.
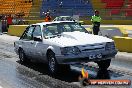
x=20, y=48
x=49, y=50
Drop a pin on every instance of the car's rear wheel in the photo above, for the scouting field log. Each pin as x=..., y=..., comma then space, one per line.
x=104, y=64
x=22, y=56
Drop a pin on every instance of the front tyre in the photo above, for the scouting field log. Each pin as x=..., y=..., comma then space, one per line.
x=52, y=63
x=104, y=64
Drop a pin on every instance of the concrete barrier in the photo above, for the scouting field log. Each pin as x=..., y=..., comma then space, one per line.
x=123, y=44
x=113, y=31
x=16, y=30
x=110, y=31
x=123, y=31
x=127, y=29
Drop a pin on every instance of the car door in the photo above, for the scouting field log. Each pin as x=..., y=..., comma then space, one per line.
x=26, y=41
x=37, y=44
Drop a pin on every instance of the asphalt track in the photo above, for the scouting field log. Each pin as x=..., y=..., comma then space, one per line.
x=13, y=74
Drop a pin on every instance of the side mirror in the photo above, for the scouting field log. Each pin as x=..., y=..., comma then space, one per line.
x=80, y=23
x=37, y=38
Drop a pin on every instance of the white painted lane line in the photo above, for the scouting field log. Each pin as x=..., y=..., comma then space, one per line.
x=1, y=87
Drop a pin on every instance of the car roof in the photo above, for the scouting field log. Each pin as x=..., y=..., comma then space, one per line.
x=64, y=16
x=45, y=23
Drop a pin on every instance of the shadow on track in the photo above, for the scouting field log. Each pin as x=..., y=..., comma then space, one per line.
x=71, y=76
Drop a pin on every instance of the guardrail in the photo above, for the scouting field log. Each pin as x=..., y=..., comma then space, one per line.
x=123, y=44
x=16, y=30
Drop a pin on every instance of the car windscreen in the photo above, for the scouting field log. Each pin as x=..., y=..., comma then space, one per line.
x=70, y=27
x=66, y=19
x=58, y=28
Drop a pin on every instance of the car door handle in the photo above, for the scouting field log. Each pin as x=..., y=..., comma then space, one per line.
x=31, y=42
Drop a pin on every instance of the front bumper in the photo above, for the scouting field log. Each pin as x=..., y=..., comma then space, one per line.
x=84, y=57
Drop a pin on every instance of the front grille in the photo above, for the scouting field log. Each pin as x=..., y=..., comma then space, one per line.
x=90, y=47
x=93, y=49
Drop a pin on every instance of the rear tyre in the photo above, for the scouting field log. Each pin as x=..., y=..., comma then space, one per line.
x=104, y=64
x=22, y=56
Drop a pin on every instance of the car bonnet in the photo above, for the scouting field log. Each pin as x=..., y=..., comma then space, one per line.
x=78, y=38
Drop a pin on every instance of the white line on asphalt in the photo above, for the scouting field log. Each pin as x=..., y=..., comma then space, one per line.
x=1, y=87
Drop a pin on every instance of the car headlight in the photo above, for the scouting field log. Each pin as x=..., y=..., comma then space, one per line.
x=70, y=50
x=110, y=46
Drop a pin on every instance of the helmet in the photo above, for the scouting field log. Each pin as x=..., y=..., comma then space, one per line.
x=96, y=12
x=47, y=12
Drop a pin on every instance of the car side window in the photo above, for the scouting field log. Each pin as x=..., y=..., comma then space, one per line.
x=50, y=30
x=28, y=33
x=37, y=31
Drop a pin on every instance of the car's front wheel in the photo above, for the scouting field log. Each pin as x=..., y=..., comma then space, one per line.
x=104, y=64
x=54, y=67
x=52, y=63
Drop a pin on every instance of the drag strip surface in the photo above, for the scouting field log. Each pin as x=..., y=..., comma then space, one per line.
x=16, y=75
x=13, y=74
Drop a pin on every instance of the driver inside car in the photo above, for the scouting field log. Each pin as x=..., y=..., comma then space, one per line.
x=47, y=32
